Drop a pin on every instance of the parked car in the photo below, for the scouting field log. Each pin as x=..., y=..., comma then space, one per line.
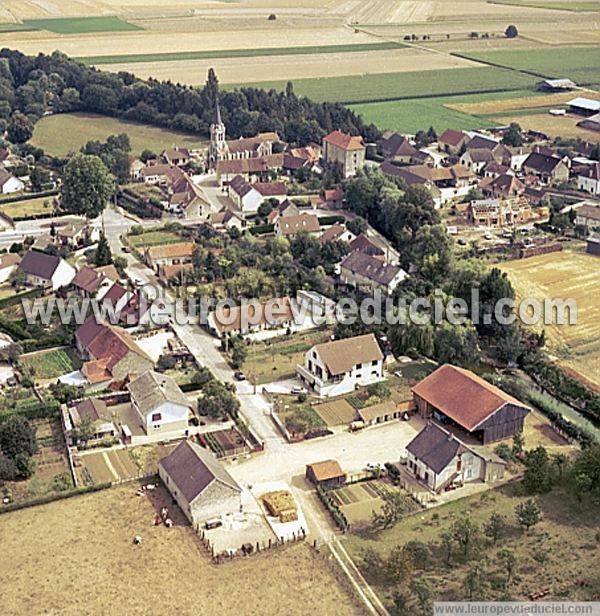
x=238, y=375
x=298, y=390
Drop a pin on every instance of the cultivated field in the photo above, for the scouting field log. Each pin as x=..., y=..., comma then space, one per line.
x=566, y=275
x=52, y=363
x=54, y=547
x=68, y=132
x=555, y=126
x=28, y=207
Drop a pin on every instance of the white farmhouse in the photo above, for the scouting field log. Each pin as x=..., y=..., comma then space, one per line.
x=200, y=485
x=9, y=183
x=248, y=197
x=338, y=367
x=159, y=402
x=44, y=270
x=589, y=179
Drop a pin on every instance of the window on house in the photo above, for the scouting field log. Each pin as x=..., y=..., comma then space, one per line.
x=156, y=416
x=374, y=363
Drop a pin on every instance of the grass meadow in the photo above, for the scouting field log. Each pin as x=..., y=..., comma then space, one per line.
x=81, y=25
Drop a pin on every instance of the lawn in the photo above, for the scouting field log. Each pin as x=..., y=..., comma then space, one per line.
x=28, y=208
x=559, y=553
x=108, y=466
x=54, y=547
x=153, y=238
x=409, y=116
x=237, y=53
x=276, y=359
x=81, y=25
x=581, y=64
x=62, y=133
x=52, y=363
x=406, y=85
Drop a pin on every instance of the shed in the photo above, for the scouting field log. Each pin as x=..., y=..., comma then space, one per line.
x=326, y=474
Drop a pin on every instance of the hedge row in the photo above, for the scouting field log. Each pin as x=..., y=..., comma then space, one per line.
x=49, y=498
x=262, y=229
x=17, y=297
x=331, y=220
x=15, y=199
x=336, y=513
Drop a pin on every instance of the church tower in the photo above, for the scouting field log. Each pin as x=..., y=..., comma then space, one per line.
x=218, y=144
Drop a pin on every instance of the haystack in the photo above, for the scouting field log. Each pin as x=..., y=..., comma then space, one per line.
x=281, y=505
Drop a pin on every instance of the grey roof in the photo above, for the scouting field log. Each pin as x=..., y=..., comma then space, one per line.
x=192, y=469
x=481, y=143
x=542, y=163
x=152, y=389
x=370, y=267
x=585, y=103
x=39, y=264
x=435, y=447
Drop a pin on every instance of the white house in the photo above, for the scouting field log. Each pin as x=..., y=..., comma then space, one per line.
x=437, y=458
x=159, y=402
x=370, y=274
x=589, y=179
x=338, y=367
x=8, y=264
x=248, y=197
x=199, y=483
x=9, y=183
x=44, y=270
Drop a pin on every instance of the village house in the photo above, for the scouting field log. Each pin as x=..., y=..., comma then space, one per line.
x=369, y=273
x=126, y=305
x=8, y=264
x=227, y=219
x=155, y=173
x=344, y=150
x=248, y=319
x=476, y=160
x=334, y=198
x=93, y=281
x=588, y=179
x=547, y=168
x=256, y=169
x=44, y=270
x=451, y=141
x=337, y=233
x=169, y=254
x=249, y=197
x=9, y=183
x=326, y=474
x=94, y=411
x=75, y=234
x=282, y=209
x=496, y=213
x=365, y=245
x=179, y=157
x=290, y=226
x=441, y=461
x=109, y=353
x=199, y=483
x=159, y=402
x=399, y=149
x=339, y=367
x=464, y=402
x=588, y=216
x=505, y=185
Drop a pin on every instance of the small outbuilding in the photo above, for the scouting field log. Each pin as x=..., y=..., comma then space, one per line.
x=326, y=474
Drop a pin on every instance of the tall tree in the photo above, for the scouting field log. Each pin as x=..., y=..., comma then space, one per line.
x=528, y=514
x=20, y=128
x=87, y=185
x=103, y=253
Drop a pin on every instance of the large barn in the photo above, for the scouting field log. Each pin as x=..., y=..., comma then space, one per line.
x=457, y=397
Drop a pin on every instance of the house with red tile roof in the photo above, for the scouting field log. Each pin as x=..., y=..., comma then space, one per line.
x=347, y=151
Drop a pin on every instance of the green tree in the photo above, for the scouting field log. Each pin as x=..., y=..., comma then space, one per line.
x=495, y=527
x=424, y=592
x=239, y=353
x=538, y=477
x=398, y=566
x=87, y=185
x=474, y=583
x=513, y=136
x=103, y=253
x=456, y=344
x=17, y=436
x=508, y=560
x=19, y=129
x=466, y=534
x=528, y=514
x=446, y=540
x=392, y=510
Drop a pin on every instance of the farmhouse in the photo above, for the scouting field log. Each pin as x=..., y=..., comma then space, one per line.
x=369, y=273
x=441, y=461
x=227, y=219
x=200, y=485
x=178, y=157
x=461, y=400
x=159, y=402
x=547, y=168
x=290, y=226
x=344, y=150
x=75, y=234
x=44, y=270
x=481, y=142
x=155, y=173
x=248, y=197
x=284, y=208
x=588, y=216
x=476, y=160
x=251, y=169
x=334, y=198
x=336, y=233
x=451, y=141
x=111, y=353
x=588, y=179
x=505, y=185
x=9, y=183
x=399, y=149
x=94, y=411
x=169, y=254
x=338, y=367
x=89, y=281
x=248, y=318
x=326, y=474
x=382, y=412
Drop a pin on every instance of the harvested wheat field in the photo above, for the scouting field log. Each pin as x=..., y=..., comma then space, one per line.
x=553, y=126
x=566, y=275
x=76, y=556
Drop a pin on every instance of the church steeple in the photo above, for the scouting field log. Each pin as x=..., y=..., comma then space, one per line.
x=218, y=143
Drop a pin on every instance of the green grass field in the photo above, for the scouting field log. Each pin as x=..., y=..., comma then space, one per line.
x=393, y=86
x=157, y=237
x=581, y=64
x=237, y=53
x=63, y=133
x=52, y=364
x=30, y=207
x=81, y=25
x=409, y=116
x=577, y=5
x=16, y=28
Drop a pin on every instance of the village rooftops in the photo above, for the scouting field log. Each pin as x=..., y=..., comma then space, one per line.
x=435, y=447
x=246, y=144
x=92, y=409
x=450, y=137
x=591, y=172
x=152, y=389
x=370, y=267
x=340, y=356
x=229, y=319
x=291, y=225
x=344, y=141
x=541, y=163
x=363, y=244
x=171, y=251
x=39, y=264
x=193, y=469
x=258, y=164
x=271, y=189
x=463, y=396
x=326, y=470
x=332, y=234
x=479, y=142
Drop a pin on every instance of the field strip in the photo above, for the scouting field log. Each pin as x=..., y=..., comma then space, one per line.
x=110, y=467
x=237, y=53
